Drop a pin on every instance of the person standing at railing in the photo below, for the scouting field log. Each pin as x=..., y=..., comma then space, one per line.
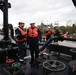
x=48, y=33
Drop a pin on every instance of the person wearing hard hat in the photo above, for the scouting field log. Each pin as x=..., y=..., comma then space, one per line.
x=21, y=37
x=48, y=33
x=34, y=35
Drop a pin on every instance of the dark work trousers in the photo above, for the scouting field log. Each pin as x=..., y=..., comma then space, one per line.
x=22, y=50
x=48, y=37
x=34, y=48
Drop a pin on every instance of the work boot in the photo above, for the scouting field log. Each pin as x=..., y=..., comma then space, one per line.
x=22, y=61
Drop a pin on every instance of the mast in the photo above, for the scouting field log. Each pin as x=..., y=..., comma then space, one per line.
x=5, y=19
x=4, y=5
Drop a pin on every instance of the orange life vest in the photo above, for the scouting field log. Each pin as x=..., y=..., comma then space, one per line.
x=48, y=33
x=23, y=32
x=33, y=32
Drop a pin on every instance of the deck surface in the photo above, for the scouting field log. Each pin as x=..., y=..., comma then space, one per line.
x=28, y=70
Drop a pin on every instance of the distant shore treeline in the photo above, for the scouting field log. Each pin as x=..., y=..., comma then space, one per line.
x=71, y=30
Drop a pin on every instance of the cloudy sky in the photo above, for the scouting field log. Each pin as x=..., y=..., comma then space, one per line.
x=46, y=11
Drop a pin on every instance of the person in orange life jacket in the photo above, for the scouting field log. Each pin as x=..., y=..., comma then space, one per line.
x=33, y=34
x=48, y=33
x=21, y=37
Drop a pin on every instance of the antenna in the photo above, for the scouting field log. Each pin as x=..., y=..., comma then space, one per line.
x=74, y=2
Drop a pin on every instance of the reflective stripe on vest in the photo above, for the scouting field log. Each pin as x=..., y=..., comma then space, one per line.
x=33, y=32
x=23, y=32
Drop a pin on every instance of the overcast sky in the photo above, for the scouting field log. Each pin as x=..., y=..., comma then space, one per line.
x=46, y=11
